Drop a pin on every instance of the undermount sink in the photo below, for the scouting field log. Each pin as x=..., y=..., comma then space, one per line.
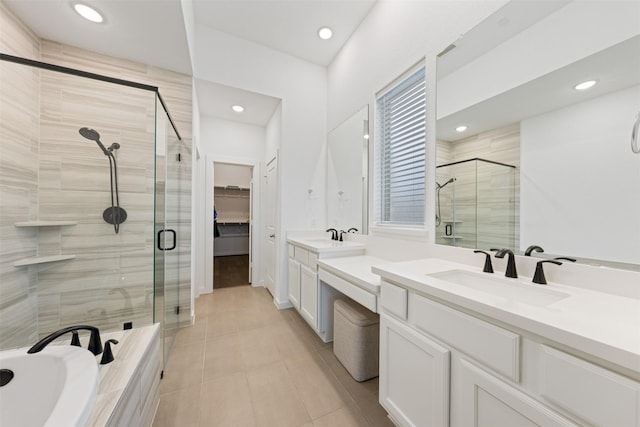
x=509, y=289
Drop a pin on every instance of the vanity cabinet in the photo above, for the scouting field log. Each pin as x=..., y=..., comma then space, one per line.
x=444, y=365
x=414, y=376
x=303, y=284
x=306, y=294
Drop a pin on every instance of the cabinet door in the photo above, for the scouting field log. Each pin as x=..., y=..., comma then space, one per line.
x=487, y=401
x=294, y=283
x=414, y=376
x=309, y=295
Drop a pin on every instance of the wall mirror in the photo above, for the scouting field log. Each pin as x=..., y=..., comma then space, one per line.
x=524, y=156
x=347, y=170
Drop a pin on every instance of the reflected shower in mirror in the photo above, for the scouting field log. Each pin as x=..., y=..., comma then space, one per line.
x=347, y=160
x=504, y=96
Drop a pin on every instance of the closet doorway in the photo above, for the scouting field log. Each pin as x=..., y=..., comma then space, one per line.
x=232, y=259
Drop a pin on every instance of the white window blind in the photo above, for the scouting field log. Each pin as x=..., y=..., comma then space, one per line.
x=400, y=153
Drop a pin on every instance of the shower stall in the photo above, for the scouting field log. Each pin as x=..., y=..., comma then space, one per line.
x=83, y=240
x=476, y=204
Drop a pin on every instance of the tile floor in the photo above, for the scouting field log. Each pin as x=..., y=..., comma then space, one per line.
x=245, y=363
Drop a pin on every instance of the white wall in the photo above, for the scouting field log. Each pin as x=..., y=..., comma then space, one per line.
x=225, y=175
x=573, y=163
x=231, y=61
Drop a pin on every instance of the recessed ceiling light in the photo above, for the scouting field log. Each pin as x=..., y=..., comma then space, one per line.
x=585, y=85
x=88, y=12
x=325, y=33
x=461, y=128
x=238, y=108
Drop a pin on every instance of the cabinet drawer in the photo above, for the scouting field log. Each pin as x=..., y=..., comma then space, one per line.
x=595, y=394
x=393, y=299
x=494, y=347
x=301, y=255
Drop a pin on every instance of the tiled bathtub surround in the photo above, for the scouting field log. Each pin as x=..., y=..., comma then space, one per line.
x=49, y=172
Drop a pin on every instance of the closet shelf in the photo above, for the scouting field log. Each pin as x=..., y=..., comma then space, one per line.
x=42, y=260
x=44, y=223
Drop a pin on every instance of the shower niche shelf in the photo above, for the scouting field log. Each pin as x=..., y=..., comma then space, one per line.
x=42, y=260
x=44, y=223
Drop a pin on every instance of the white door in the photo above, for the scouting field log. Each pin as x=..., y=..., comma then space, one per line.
x=251, y=229
x=270, y=229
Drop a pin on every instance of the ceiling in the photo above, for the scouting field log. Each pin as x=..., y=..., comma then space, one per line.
x=288, y=26
x=153, y=32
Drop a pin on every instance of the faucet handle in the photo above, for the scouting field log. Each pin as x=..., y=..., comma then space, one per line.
x=334, y=233
x=75, y=339
x=538, y=276
x=107, y=356
x=352, y=230
x=488, y=267
x=95, y=344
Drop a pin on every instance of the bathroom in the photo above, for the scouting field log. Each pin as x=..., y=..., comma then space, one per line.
x=193, y=58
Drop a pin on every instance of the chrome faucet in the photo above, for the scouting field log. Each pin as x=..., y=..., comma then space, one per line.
x=95, y=344
x=511, y=262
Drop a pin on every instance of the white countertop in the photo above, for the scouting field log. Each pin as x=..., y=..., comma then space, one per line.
x=355, y=269
x=604, y=325
x=326, y=245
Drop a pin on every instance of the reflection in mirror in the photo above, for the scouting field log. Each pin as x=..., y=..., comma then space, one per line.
x=505, y=96
x=347, y=159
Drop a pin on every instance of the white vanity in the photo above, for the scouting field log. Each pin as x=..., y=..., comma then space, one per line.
x=305, y=292
x=461, y=348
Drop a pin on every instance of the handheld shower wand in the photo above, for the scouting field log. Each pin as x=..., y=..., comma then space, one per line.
x=438, y=188
x=115, y=214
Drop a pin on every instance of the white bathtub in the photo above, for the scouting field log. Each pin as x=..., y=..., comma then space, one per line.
x=55, y=387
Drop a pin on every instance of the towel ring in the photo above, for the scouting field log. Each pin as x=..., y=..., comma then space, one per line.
x=634, y=136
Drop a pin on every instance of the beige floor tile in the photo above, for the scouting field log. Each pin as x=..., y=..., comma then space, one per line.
x=348, y=416
x=245, y=363
x=189, y=334
x=180, y=408
x=222, y=357
x=275, y=401
x=320, y=393
x=185, y=367
x=218, y=325
x=226, y=401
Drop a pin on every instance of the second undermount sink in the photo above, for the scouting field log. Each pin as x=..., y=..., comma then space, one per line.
x=509, y=289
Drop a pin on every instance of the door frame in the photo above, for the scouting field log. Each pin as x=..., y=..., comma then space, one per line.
x=256, y=255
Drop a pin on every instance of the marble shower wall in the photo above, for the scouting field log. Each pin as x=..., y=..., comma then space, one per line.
x=49, y=172
x=484, y=200
x=19, y=132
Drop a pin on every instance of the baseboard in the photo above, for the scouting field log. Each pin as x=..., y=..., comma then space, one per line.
x=281, y=305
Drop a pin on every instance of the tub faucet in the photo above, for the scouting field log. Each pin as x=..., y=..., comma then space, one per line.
x=334, y=233
x=95, y=344
x=511, y=262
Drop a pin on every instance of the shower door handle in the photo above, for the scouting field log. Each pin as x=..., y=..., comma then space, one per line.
x=160, y=234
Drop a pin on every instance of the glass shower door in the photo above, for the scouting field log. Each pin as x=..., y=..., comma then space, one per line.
x=167, y=216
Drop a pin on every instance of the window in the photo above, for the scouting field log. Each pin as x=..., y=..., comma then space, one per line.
x=400, y=152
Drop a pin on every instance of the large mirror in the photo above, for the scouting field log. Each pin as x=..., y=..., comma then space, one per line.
x=347, y=159
x=525, y=156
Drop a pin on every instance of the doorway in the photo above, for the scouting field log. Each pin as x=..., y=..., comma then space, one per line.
x=232, y=195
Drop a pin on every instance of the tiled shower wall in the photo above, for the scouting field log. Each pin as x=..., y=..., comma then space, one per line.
x=492, y=207
x=49, y=172
x=19, y=132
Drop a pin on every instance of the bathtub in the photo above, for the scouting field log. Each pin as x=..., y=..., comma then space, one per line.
x=55, y=387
